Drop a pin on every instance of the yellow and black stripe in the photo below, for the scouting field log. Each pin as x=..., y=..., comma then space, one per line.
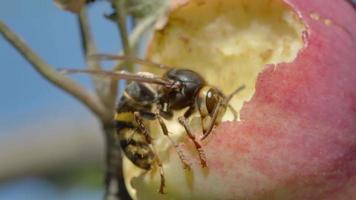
x=133, y=141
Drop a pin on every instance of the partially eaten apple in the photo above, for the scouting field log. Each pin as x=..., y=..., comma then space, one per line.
x=296, y=134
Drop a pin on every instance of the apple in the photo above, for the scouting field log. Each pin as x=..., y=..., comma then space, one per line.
x=296, y=133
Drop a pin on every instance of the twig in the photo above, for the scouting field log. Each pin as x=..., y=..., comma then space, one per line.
x=89, y=48
x=115, y=188
x=143, y=26
x=59, y=80
x=87, y=38
x=121, y=22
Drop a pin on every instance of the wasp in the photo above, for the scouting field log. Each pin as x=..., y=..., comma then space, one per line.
x=150, y=97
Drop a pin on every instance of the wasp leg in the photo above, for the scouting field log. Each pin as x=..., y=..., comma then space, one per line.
x=204, y=117
x=139, y=120
x=185, y=162
x=145, y=131
x=234, y=112
x=161, y=171
x=153, y=116
x=213, y=120
x=183, y=120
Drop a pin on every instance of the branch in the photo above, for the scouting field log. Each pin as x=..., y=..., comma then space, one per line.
x=121, y=22
x=89, y=48
x=87, y=38
x=115, y=188
x=143, y=26
x=53, y=76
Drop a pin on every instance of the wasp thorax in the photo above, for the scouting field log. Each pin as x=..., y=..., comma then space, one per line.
x=191, y=83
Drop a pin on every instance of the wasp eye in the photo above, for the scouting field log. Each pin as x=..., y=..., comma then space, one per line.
x=212, y=98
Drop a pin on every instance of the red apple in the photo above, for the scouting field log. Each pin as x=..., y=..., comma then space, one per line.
x=296, y=137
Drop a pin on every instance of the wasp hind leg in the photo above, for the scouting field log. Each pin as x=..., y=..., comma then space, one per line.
x=145, y=131
x=164, y=129
x=142, y=127
x=161, y=171
x=155, y=116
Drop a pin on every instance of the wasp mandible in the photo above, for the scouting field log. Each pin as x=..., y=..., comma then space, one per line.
x=152, y=97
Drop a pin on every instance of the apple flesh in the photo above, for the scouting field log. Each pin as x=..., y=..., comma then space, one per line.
x=296, y=136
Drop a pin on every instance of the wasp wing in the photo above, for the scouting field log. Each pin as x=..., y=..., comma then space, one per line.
x=129, y=59
x=124, y=75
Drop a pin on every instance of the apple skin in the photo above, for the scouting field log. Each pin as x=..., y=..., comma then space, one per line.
x=299, y=130
x=297, y=135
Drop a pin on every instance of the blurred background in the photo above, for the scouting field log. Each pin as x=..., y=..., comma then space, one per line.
x=51, y=146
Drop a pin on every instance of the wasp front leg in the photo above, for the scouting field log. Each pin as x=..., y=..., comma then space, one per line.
x=213, y=120
x=184, y=122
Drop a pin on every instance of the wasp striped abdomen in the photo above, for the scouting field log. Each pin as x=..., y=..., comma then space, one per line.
x=134, y=145
x=134, y=141
x=134, y=137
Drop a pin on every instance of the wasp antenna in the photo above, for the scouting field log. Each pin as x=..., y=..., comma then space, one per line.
x=128, y=59
x=237, y=90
